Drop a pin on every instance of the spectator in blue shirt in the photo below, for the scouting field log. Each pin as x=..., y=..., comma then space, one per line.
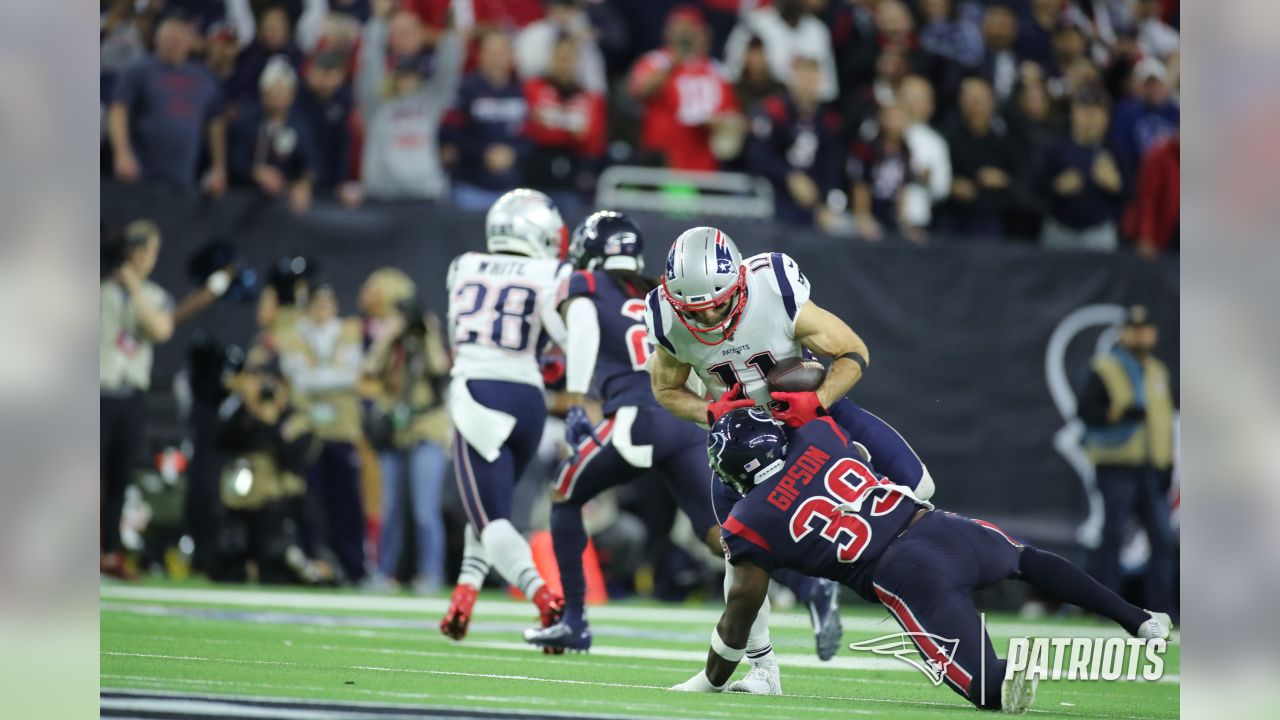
x=484, y=127
x=270, y=145
x=163, y=106
x=1082, y=181
x=1151, y=116
x=325, y=103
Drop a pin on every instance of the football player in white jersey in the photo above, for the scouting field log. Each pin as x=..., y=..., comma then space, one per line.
x=729, y=321
x=500, y=303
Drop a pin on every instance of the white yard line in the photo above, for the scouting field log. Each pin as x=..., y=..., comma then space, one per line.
x=513, y=609
x=497, y=676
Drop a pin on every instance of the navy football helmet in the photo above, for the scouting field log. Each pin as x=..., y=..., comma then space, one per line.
x=746, y=447
x=607, y=240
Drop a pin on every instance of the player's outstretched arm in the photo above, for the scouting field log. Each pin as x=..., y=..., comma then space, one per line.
x=824, y=334
x=729, y=639
x=668, y=376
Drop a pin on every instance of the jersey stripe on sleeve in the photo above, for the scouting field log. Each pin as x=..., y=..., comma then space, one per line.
x=784, y=285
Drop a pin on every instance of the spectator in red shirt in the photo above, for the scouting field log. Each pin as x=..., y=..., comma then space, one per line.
x=566, y=129
x=1153, y=217
x=692, y=119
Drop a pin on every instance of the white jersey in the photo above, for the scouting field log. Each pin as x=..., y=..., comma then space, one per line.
x=499, y=306
x=765, y=333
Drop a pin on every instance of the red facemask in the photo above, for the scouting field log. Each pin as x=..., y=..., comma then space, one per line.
x=723, y=329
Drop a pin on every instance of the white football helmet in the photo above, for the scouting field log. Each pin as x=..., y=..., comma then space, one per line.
x=526, y=222
x=704, y=272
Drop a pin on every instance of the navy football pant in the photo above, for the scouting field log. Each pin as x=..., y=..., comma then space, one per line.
x=926, y=579
x=487, y=487
x=890, y=452
x=679, y=457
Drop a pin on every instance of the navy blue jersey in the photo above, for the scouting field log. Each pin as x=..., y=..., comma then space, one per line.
x=619, y=378
x=794, y=520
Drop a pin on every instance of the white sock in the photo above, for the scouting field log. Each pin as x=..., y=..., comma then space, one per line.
x=759, y=646
x=475, y=561
x=510, y=555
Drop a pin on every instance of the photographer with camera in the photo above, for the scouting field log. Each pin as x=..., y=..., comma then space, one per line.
x=269, y=446
x=407, y=424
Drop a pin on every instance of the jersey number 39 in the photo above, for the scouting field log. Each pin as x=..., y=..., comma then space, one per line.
x=846, y=481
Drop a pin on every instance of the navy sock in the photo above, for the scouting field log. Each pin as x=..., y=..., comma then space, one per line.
x=569, y=538
x=1061, y=580
x=803, y=586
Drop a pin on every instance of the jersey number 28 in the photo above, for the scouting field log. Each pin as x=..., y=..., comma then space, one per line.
x=505, y=321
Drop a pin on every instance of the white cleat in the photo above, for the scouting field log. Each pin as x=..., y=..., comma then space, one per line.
x=1017, y=693
x=1157, y=628
x=763, y=679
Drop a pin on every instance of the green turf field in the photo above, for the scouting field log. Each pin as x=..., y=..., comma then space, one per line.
x=184, y=645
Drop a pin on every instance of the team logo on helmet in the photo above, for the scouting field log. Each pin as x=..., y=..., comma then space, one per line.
x=724, y=259
x=671, y=262
x=614, y=244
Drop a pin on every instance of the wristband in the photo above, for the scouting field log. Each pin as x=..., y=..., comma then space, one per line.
x=856, y=357
x=720, y=648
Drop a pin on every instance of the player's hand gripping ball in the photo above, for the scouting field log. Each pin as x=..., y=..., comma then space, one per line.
x=731, y=400
x=793, y=385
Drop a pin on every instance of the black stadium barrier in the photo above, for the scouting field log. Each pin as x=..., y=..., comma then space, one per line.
x=975, y=345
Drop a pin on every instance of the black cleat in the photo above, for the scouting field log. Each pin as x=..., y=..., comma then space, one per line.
x=824, y=612
x=561, y=636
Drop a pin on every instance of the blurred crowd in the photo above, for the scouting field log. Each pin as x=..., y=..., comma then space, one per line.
x=1051, y=121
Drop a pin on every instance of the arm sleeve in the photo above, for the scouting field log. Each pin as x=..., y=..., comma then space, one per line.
x=240, y=16
x=1093, y=402
x=311, y=24
x=583, y=325
x=653, y=322
x=940, y=178
x=826, y=59
x=372, y=66
x=443, y=83
x=738, y=549
x=552, y=323
x=791, y=285
x=735, y=52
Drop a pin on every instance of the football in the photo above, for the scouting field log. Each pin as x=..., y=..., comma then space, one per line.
x=796, y=375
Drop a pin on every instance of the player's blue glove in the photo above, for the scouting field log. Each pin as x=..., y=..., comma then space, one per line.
x=578, y=427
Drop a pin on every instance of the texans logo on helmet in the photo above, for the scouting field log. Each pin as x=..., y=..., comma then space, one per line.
x=614, y=244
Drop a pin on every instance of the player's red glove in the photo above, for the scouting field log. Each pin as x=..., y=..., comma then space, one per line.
x=796, y=408
x=731, y=400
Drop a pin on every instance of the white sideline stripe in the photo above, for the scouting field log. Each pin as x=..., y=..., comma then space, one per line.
x=494, y=676
x=506, y=608
x=180, y=707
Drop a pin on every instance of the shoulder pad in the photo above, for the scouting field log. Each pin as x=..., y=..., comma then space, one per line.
x=656, y=321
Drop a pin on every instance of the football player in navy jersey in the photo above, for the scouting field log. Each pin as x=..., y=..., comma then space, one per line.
x=813, y=501
x=603, y=306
